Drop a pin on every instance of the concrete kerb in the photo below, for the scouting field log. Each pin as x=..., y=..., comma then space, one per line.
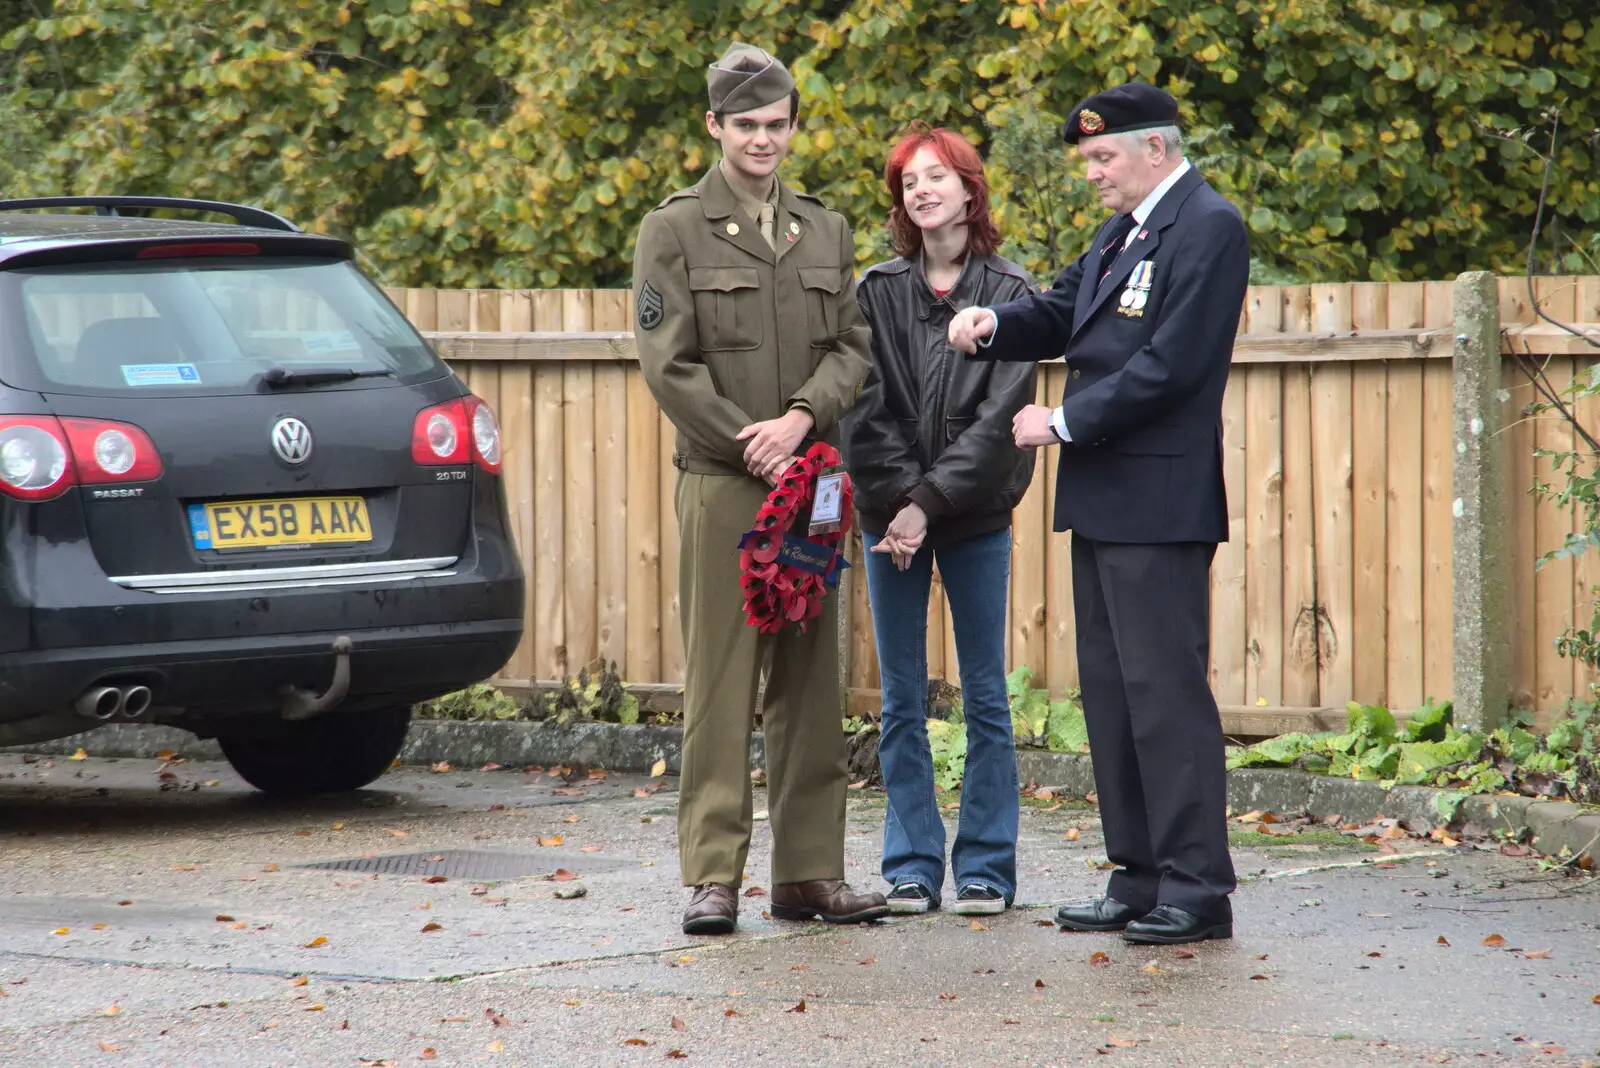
x=1555, y=825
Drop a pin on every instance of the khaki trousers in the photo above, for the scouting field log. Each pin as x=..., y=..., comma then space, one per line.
x=801, y=710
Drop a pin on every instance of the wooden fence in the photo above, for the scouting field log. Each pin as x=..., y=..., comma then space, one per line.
x=1336, y=583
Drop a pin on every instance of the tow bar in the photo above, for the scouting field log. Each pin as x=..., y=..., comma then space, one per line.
x=301, y=704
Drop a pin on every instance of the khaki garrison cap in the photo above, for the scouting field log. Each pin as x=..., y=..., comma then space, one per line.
x=746, y=78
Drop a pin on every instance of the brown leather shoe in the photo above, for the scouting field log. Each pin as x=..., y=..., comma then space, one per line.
x=829, y=900
x=713, y=910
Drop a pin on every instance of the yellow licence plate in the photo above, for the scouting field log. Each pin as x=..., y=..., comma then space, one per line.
x=264, y=524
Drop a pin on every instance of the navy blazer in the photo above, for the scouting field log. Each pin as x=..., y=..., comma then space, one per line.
x=1147, y=354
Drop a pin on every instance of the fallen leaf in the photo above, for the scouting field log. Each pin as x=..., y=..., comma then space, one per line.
x=112, y=1009
x=429, y=1053
x=798, y=1008
x=1538, y=954
x=679, y=1025
x=270, y=867
x=1258, y=977
x=316, y=1008
x=98, y=926
x=945, y=995
x=676, y=1054
x=79, y=755
x=634, y=1042
x=860, y=784
x=1184, y=953
x=658, y=769
x=300, y=981
x=687, y=958
x=1044, y=793
x=755, y=891
x=951, y=805
x=125, y=901
x=397, y=832
x=1260, y=956
x=730, y=1012
x=562, y=875
x=1122, y=1043
x=496, y=1018
x=1044, y=923
x=573, y=1004
x=496, y=1046
x=452, y=1019
x=241, y=925
x=107, y=1047
x=186, y=867
x=590, y=849
x=302, y=833
x=224, y=918
x=552, y=840
x=432, y=927
x=1253, y=816
x=1153, y=968
x=868, y=960
x=441, y=767
x=166, y=754
x=212, y=782
x=1072, y=835
x=1495, y=941
x=976, y=926
x=1443, y=941
x=571, y=819
x=62, y=931
x=1038, y=984
x=315, y=942
x=1099, y=959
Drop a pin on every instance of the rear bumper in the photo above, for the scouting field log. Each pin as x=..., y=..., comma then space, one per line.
x=220, y=678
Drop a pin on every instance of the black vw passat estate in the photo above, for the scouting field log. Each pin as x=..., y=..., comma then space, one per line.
x=239, y=494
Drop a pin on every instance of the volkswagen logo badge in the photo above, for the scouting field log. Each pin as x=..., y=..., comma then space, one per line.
x=291, y=440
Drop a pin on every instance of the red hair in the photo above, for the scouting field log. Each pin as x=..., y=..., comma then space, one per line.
x=957, y=153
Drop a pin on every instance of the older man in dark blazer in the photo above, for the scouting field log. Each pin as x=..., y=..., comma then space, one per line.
x=1146, y=319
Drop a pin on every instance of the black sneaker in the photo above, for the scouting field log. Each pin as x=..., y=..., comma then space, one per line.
x=979, y=899
x=911, y=897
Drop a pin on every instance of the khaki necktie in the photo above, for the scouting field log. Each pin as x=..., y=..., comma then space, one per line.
x=767, y=213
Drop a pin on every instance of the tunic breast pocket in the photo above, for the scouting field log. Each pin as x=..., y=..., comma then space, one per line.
x=727, y=307
x=822, y=299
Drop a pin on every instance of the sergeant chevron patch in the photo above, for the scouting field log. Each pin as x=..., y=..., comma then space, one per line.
x=650, y=308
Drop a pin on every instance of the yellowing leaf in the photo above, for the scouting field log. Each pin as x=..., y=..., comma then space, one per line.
x=166, y=754
x=976, y=926
x=112, y=1009
x=300, y=981
x=658, y=769
x=79, y=755
x=1071, y=835
x=62, y=931
x=552, y=840
x=1099, y=959
x=241, y=925
x=98, y=926
x=431, y=927
x=109, y=1047
x=496, y=1046
x=1495, y=941
x=1538, y=954
x=315, y=942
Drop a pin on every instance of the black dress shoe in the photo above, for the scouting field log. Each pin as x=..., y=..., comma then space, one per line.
x=1169, y=925
x=1101, y=914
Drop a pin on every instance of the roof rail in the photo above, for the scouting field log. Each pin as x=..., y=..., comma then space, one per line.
x=245, y=216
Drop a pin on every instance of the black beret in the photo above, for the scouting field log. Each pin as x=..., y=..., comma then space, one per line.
x=1134, y=106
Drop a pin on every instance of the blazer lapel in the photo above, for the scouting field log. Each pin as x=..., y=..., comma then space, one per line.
x=727, y=221
x=1163, y=215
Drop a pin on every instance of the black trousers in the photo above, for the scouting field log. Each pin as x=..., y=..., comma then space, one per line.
x=1144, y=621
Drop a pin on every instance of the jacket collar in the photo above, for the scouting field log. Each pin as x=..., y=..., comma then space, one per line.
x=1142, y=247
x=965, y=291
x=718, y=202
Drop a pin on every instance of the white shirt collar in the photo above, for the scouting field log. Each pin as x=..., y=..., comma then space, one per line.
x=1142, y=212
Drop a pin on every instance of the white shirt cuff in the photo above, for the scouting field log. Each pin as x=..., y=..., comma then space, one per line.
x=1058, y=423
x=985, y=342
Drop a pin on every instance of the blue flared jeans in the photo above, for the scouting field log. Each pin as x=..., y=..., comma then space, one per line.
x=976, y=574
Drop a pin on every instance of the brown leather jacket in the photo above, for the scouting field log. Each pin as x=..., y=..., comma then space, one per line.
x=930, y=425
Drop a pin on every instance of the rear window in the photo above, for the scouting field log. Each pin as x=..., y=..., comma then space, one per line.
x=199, y=326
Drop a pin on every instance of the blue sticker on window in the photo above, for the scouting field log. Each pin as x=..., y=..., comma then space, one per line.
x=160, y=374
x=200, y=526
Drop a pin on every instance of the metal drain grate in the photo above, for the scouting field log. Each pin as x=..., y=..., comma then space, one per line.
x=460, y=863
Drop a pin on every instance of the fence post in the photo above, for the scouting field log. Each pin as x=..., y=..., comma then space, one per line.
x=1481, y=640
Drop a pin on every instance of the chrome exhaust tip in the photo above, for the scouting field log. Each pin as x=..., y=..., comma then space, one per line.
x=99, y=703
x=135, y=701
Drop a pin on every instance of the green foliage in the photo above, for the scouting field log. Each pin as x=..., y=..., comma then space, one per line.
x=1429, y=750
x=1042, y=723
x=948, y=742
x=479, y=703
x=596, y=692
x=517, y=143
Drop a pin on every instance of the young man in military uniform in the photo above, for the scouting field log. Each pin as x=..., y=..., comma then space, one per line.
x=751, y=341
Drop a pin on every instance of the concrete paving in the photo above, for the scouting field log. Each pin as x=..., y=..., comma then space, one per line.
x=163, y=914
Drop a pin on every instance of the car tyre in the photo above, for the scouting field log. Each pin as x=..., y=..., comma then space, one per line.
x=327, y=755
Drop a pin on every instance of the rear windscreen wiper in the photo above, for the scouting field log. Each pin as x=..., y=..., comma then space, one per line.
x=283, y=377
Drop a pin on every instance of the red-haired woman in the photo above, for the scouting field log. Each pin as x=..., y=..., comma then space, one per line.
x=929, y=447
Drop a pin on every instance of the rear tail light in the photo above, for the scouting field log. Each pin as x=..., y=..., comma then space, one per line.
x=42, y=457
x=457, y=432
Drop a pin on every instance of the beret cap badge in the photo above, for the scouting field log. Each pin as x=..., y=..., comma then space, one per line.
x=1090, y=122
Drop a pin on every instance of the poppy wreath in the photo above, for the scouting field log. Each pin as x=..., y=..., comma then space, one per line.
x=783, y=576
